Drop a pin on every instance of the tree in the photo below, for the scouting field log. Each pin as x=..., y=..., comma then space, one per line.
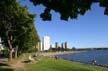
x=29, y=39
x=68, y=8
x=16, y=26
x=7, y=23
x=73, y=48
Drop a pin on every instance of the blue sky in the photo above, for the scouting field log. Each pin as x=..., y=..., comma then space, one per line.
x=90, y=30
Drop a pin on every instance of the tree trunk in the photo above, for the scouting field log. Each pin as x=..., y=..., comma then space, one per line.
x=10, y=50
x=10, y=55
x=16, y=52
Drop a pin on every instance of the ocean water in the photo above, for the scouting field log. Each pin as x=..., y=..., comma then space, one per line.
x=101, y=56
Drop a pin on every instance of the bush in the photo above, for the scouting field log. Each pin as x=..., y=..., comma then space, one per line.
x=33, y=50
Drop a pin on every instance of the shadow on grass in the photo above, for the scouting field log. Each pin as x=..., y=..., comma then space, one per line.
x=6, y=69
x=3, y=64
x=27, y=61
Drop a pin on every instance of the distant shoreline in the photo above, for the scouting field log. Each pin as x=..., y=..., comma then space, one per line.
x=58, y=53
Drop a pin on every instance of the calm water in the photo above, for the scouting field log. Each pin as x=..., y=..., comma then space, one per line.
x=101, y=56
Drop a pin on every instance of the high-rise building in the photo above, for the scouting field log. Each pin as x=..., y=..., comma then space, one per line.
x=62, y=45
x=46, y=43
x=56, y=45
x=66, y=45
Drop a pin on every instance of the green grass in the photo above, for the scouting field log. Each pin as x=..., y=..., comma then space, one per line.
x=48, y=64
x=18, y=69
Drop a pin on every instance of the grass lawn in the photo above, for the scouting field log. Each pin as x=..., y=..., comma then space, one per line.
x=49, y=64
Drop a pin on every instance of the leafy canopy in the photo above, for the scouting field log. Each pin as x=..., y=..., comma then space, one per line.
x=16, y=25
x=68, y=8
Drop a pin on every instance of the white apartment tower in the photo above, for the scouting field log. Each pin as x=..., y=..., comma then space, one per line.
x=46, y=43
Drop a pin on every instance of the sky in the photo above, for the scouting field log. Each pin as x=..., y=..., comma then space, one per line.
x=90, y=30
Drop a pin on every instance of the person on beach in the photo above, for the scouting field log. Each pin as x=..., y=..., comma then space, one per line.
x=93, y=61
x=31, y=59
x=56, y=57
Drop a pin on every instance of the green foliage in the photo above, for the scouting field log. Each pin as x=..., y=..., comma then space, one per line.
x=73, y=48
x=32, y=49
x=17, y=26
x=68, y=8
x=4, y=53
